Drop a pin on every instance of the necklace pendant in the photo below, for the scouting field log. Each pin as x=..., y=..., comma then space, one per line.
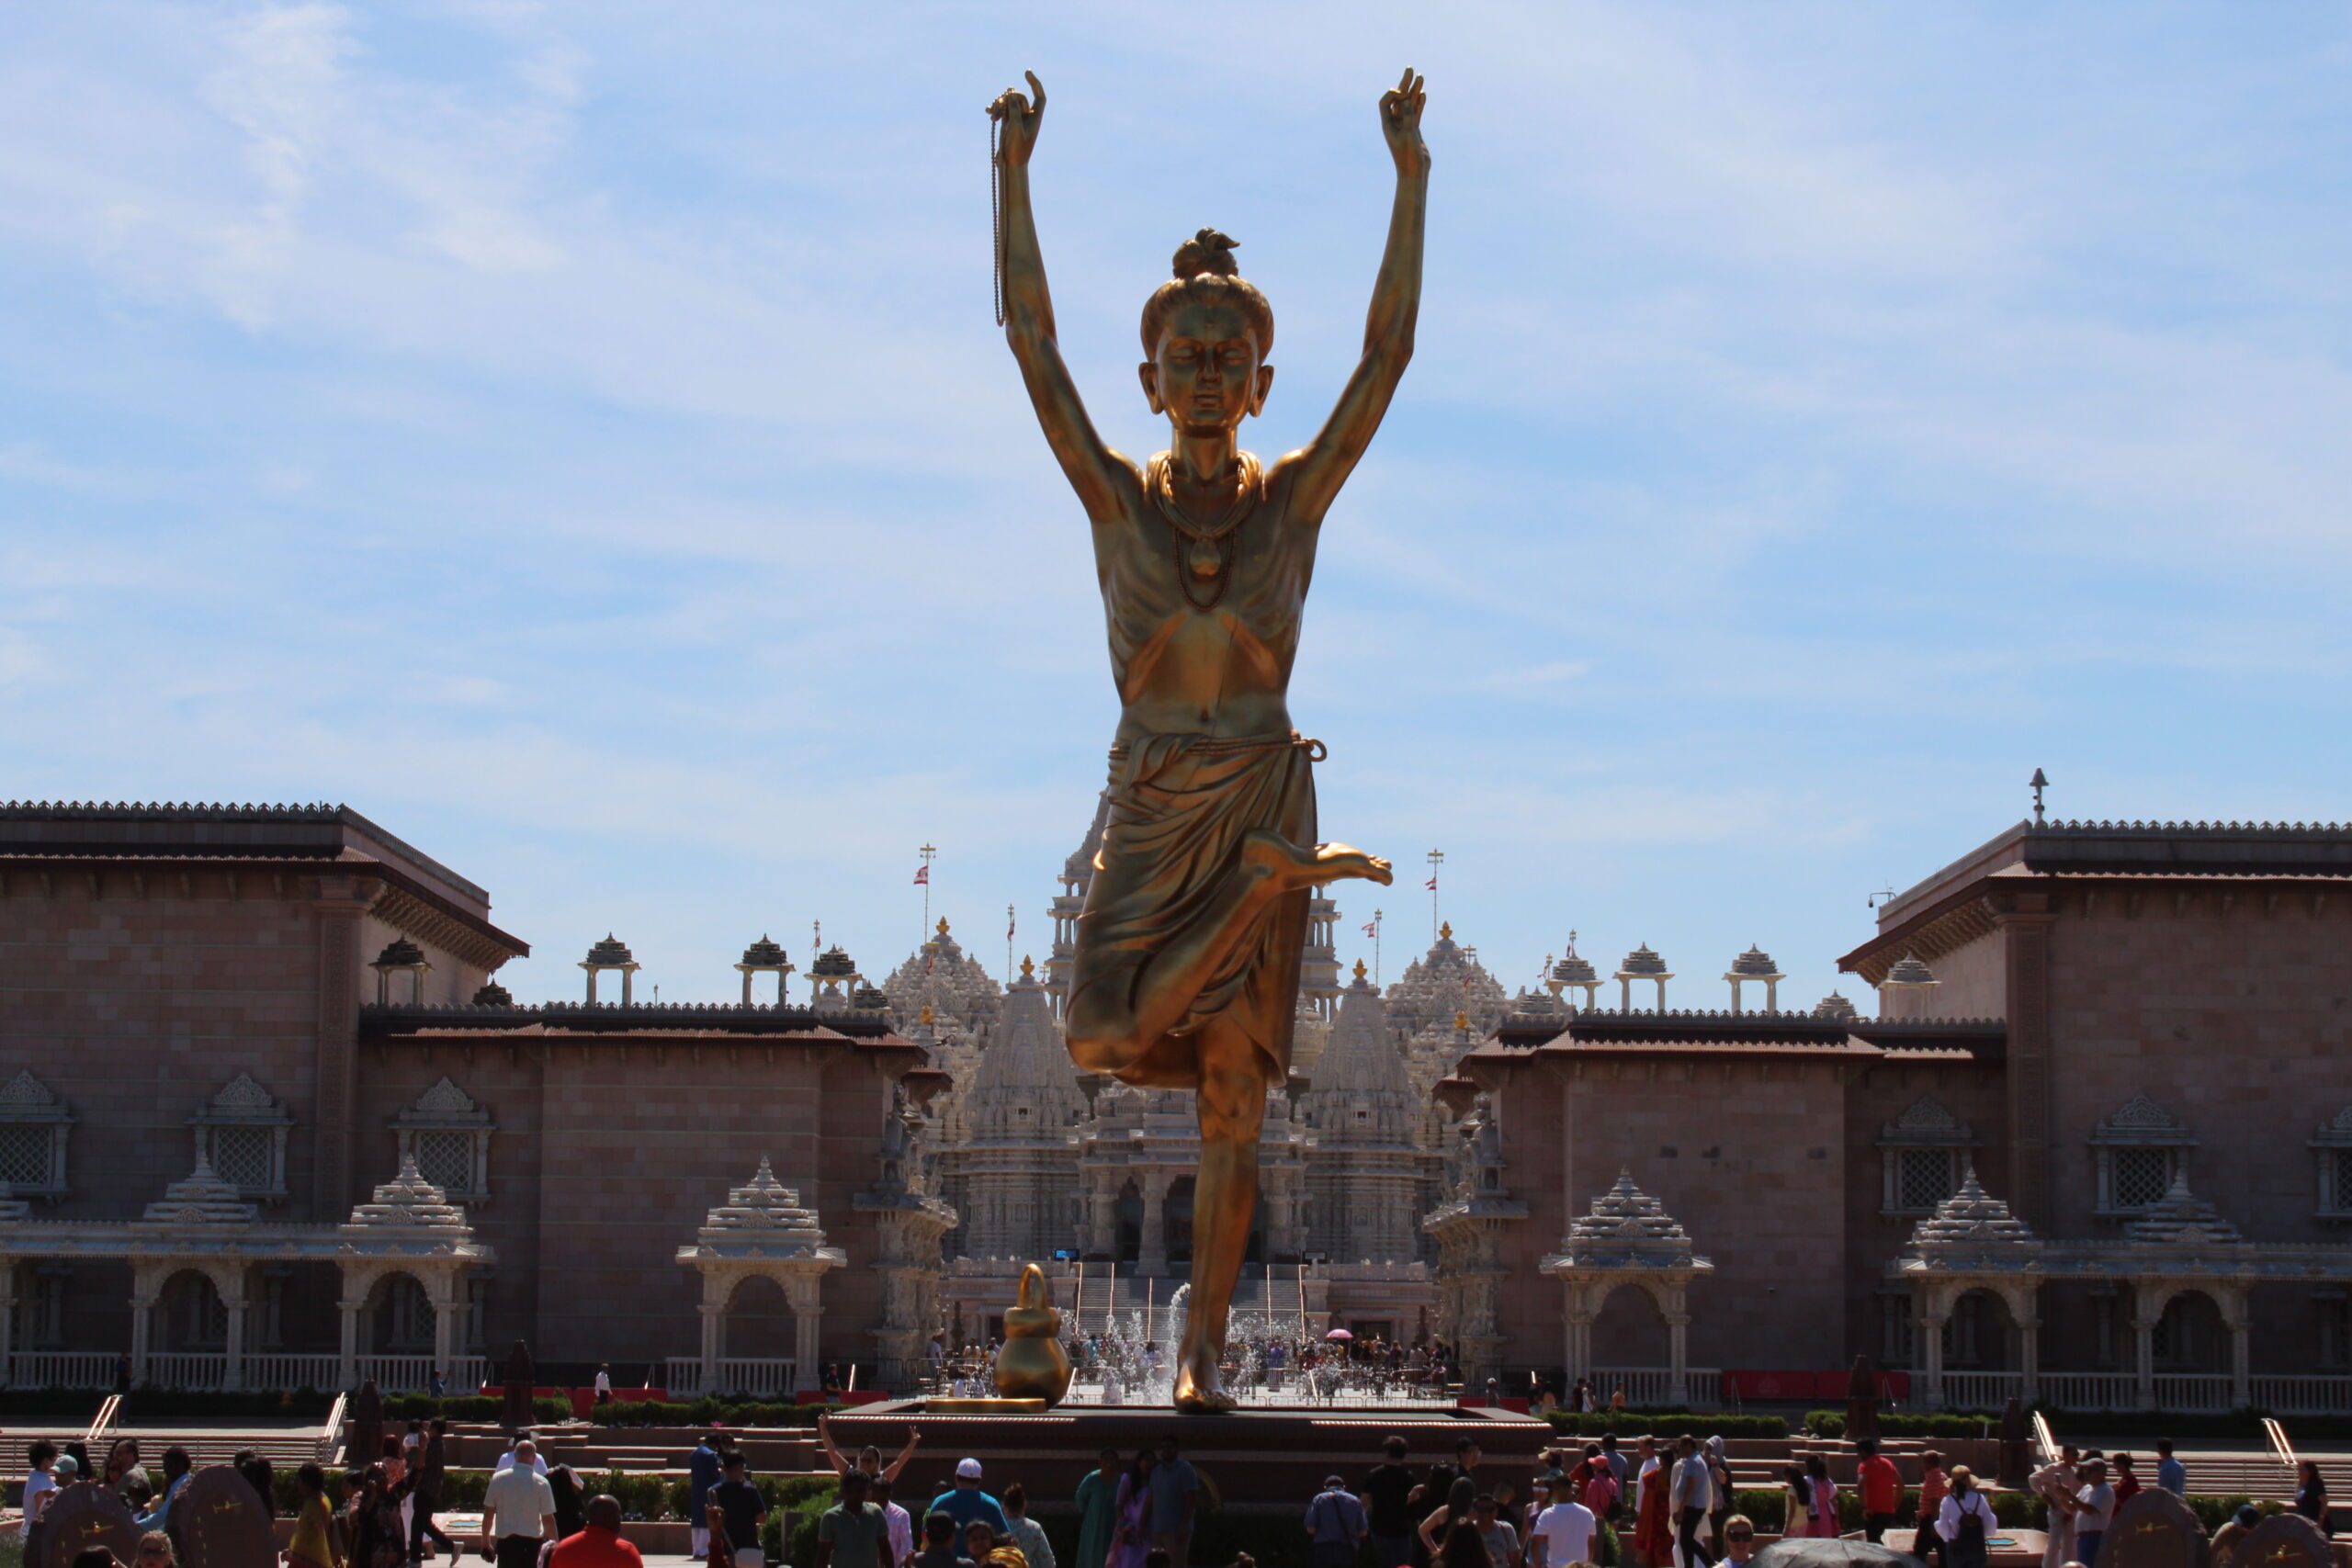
x=1208, y=560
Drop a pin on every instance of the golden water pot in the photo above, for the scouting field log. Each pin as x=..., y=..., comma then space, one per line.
x=1033, y=1364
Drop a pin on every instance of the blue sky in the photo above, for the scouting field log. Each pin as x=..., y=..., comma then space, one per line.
x=575, y=436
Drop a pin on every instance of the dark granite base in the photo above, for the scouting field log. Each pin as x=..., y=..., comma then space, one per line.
x=1253, y=1456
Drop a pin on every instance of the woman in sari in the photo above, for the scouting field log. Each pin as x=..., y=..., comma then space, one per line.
x=1653, y=1536
x=1098, y=1511
x=1131, y=1536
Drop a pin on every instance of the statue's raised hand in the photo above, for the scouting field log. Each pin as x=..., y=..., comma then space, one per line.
x=1400, y=122
x=1020, y=117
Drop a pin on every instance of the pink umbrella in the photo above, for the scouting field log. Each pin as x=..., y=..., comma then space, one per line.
x=1338, y=1333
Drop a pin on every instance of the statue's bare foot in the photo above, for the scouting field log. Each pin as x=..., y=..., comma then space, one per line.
x=1200, y=1391
x=1290, y=866
x=1336, y=860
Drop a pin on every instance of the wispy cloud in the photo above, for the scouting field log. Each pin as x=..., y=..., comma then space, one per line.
x=579, y=438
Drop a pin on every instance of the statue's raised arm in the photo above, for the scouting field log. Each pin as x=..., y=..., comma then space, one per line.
x=1100, y=475
x=1313, y=473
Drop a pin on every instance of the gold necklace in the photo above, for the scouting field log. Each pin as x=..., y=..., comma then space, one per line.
x=1206, y=553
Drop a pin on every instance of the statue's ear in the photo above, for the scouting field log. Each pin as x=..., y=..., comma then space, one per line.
x=1258, y=393
x=1149, y=373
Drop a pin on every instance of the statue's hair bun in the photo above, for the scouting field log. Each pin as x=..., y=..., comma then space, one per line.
x=1209, y=252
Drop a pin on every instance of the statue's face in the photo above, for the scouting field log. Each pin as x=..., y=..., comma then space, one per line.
x=1206, y=376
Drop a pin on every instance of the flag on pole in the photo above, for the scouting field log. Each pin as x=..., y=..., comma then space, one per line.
x=1371, y=927
x=1008, y=925
x=1431, y=883
x=922, y=876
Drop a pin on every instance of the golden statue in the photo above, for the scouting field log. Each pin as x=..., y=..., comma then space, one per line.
x=1186, y=970
x=1031, y=1364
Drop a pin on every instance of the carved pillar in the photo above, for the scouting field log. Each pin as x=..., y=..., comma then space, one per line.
x=1931, y=1355
x=147, y=1282
x=232, y=1364
x=714, y=1344
x=8, y=1322
x=346, y=1372
x=807, y=1317
x=1103, y=1203
x=1154, y=1254
x=1678, y=1382
x=2143, y=1345
x=448, y=1295
x=2237, y=1317
x=2029, y=1359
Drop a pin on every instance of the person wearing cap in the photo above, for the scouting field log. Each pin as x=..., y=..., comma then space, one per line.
x=1335, y=1522
x=2232, y=1533
x=965, y=1502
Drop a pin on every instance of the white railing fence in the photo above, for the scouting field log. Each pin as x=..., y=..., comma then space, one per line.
x=61, y=1368
x=2090, y=1391
x=196, y=1372
x=2304, y=1395
x=751, y=1377
x=1648, y=1388
x=1978, y=1391
x=278, y=1370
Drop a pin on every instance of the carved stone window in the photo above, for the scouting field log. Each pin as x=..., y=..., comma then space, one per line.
x=1923, y=1154
x=449, y=1134
x=2332, y=1149
x=2141, y=1148
x=241, y=1133
x=2335, y=1331
x=33, y=1127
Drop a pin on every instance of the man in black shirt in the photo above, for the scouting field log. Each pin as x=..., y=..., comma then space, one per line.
x=743, y=1509
x=1385, y=1494
x=939, y=1543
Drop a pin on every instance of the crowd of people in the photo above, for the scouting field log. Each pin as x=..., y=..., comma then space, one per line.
x=1654, y=1504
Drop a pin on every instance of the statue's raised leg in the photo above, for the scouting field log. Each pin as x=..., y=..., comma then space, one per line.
x=1121, y=1005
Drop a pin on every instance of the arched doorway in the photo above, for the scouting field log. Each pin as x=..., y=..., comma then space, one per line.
x=1981, y=1335
x=1630, y=1334
x=2190, y=1336
x=762, y=1334
x=195, y=1319
x=1128, y=1243
x=401, y=1323
x=1176, y=1222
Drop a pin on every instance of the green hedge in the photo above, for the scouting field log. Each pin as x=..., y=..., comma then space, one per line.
x=2143, y=1426
x=1630, y=1423
x=708, y=1411
x=476, y=1407
x=1908, y=1423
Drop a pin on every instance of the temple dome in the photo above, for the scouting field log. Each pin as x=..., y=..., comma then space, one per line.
x=1024, y=1086
x=1446, y=980
x=1755, y=964
x=611, y=953
x=1642, y=964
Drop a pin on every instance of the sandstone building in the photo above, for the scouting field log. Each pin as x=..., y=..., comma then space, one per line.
x=267, y=1117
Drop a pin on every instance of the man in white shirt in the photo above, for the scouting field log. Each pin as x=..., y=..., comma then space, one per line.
x=41, y=1483
x=1563, y=1534
x=517, y=1510
x=521, y=1441
x=1687, y=1504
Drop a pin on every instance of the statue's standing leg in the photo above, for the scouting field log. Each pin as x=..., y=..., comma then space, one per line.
x=1232, y=1102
